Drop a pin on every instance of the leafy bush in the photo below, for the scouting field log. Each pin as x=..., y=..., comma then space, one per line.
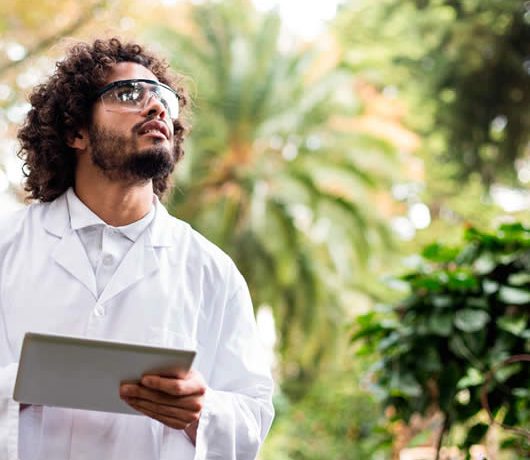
x=335, y=420
x=467, y=312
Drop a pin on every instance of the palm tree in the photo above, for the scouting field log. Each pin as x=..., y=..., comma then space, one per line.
x=269, y=175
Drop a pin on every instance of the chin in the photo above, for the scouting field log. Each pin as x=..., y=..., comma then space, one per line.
x=151, y=163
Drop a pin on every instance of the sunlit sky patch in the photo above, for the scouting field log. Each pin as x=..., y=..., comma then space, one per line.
x=305, y=19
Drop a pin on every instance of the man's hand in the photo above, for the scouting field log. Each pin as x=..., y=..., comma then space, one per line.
x=175, y=402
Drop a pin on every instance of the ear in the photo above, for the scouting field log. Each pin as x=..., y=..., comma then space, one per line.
x=78, y=140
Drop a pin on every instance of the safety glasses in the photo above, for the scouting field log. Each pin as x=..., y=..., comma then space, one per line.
x=134, y=95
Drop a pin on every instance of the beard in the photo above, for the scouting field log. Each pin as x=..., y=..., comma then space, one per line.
x=119, y=158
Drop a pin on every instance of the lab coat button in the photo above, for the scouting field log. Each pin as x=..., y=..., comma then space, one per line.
x=108, y=259
x=99, y=310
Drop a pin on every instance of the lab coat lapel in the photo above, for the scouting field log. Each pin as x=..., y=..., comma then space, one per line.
x=140, y=261
x=69, y=252
x=71, y=255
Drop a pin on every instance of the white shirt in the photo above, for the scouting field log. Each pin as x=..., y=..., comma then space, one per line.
x=172, y=288
x=104, y=244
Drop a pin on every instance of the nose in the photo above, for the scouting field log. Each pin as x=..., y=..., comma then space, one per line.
x=154, y=107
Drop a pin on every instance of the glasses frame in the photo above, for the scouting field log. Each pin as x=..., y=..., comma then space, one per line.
x=118, y=83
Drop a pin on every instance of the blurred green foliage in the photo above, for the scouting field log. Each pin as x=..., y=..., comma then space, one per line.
x=271, y=177
x=467, y=312
x=337, y=419
x=466, y=64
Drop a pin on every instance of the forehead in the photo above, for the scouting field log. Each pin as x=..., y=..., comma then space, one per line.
x=128, y=71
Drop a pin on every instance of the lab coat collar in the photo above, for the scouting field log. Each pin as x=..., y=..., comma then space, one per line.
x=56, y=219
x=81, y=217
x=140, y=261
x=160, y=233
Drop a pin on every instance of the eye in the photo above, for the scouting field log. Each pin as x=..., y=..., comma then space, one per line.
x=129, y=94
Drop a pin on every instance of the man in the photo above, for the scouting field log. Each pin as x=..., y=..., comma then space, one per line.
x=98, y=256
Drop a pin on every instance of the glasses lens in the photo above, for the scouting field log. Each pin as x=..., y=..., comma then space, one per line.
x=169, y=99
x=130, y=94
x=133, y=96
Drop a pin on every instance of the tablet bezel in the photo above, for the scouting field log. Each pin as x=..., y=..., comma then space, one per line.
x=84, y=373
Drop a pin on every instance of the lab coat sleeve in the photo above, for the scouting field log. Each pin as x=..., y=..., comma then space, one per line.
x=238, y=409
x=9, y=409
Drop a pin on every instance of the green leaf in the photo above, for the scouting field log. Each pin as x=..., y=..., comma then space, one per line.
x=441, y=324
x=489, y=286
x=476, y=342
x=514, y=296
x=501, y=349
x=468, y=254
x=523, y=393
x=438, y=253
x=431, y=360
x=430, y=283
x=507, y=259
x=389, y=341
x=519, y=279
x=462, y=280
x=517, y=229
x=484, y=264
x=513, y=324
x=469, y=320
x=472, y=378
x=404, y=385
x=504, y=373
x=442, y=301
x=459, y=348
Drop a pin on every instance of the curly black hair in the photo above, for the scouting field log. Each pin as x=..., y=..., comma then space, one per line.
x=62, y=105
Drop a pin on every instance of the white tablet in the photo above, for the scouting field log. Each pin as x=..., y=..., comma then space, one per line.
x=82, y=373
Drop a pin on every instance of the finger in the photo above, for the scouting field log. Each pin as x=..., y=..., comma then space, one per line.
x=165, y=419
x=175, y=387
x=182, y=415
x=193, y=402
x=171, y=422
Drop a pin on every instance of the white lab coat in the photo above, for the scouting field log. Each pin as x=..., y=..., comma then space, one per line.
x=173, y=288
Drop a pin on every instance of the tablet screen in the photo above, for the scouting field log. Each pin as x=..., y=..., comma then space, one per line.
x=81, y=373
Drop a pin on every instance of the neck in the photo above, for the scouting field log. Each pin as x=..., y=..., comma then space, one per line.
x=115, y=203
